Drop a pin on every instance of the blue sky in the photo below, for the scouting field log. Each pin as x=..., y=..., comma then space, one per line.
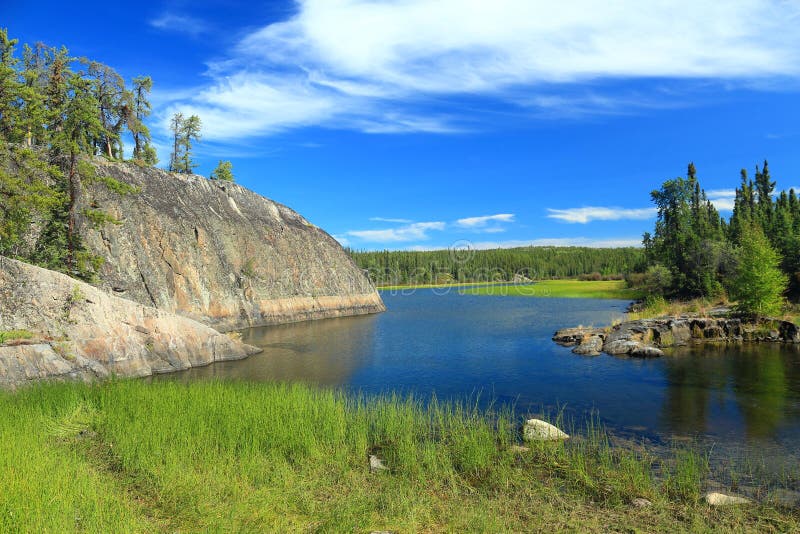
x=427, y=123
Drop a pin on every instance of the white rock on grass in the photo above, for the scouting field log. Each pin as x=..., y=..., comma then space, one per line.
x=720, y=499
x=376, y=464
x=538, y=430
x=640, y=502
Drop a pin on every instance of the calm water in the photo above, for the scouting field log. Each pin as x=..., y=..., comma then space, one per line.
x=459, y=345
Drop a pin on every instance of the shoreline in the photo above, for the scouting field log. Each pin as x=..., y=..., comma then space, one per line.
x=289, y=457
x=647, y=338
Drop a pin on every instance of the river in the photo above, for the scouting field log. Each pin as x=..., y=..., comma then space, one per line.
x=739, y=401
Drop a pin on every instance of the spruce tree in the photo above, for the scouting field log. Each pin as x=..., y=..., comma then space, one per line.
x=224, y=171
x=142, y=149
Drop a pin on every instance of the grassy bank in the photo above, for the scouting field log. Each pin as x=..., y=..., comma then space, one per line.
x=133, y=456
x=605, y=289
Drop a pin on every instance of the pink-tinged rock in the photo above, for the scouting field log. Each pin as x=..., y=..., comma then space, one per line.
x=86, y=332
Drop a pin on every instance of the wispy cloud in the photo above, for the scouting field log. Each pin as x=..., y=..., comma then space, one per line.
x=342, y=240
x=562, y=242
x=390, y=220
x=544, y=242
x=180, y=24
x=595, y=213
x=411, y=232
x=484, y=220
x=375, y=66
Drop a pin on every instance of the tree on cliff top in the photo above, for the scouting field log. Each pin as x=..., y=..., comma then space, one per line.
x=224, y=171
x=142, y=149
x=184, y=132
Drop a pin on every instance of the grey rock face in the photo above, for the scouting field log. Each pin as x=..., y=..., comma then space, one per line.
x=219, y=253
x=82, y=332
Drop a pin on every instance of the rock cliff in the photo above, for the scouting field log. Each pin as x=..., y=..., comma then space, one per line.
x=219, y=253
x=79, y=331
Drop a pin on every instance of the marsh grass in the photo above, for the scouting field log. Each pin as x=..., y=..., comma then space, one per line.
x=590, y=289
x=214, y=456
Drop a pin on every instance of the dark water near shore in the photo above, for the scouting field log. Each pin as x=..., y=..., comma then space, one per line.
x=737, y=400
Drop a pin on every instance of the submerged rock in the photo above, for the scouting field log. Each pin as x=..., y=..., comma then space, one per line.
x=645, y=351
x=720, y=499
x=538, y=430
x=84, y=333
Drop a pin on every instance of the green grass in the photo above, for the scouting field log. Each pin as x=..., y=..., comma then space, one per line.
x=606, y=289
x=131, y=456
x=432, y=286
x=10, y=335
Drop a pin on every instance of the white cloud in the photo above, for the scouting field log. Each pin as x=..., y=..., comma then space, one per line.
x=342, y=240
x=562, y=242
x=179, y=24
x=411, y=232
x=484, y=220
x=544, y=242
x=372, y=66
x=722, y=199
x=390, y=220
x=597, y=213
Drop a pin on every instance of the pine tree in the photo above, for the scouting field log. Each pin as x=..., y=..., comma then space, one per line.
x=224, y=171
x=184, y=132
x=142, y=149
x=764, y=189
x=190, y=133
x=9, y=85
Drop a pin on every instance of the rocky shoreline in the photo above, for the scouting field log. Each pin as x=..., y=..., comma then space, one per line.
x=647, y=337
x=76, y=331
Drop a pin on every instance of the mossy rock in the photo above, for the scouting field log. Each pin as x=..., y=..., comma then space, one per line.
x=697, y=331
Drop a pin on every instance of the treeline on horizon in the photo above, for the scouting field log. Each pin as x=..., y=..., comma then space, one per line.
x=509, y=264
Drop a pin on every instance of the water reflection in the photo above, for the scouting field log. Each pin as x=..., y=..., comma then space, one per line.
x=325, y=352
x=755, y=387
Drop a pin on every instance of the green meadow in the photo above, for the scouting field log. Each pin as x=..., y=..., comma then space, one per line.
x=133, y=456
x=590, y=289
